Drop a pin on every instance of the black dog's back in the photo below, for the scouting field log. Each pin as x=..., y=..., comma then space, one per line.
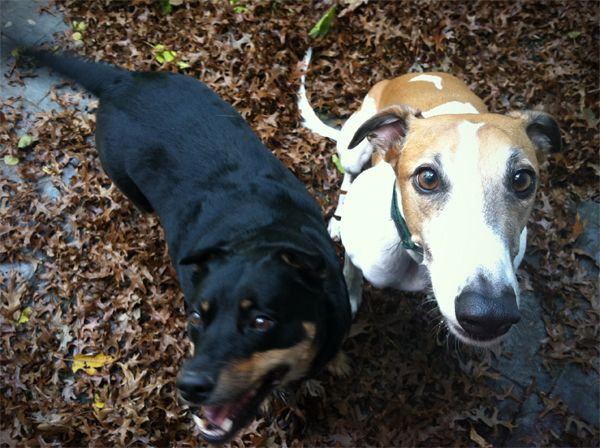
x=174, y=146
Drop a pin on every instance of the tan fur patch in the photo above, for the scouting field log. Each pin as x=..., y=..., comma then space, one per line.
x=246, y=304
x=423, y=95
x=245, y=373
x=205, y=306
x=340, y=365
x=310, y=328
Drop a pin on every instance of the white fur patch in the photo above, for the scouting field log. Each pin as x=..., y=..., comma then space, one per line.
x=522, y=246
x=436, y=80
x=451, y=108
x=370, y=236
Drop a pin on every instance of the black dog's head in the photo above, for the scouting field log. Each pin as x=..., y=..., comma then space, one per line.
x=258, y=318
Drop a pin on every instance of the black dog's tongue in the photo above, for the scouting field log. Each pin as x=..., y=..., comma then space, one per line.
x=219, y=420
x=215, y=428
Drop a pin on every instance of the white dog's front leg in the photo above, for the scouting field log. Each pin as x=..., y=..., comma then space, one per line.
x=334, y=223
x=354, y=283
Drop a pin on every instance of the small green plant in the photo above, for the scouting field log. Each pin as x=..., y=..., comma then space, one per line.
x=338, y=163
x=79, y=27
x=165, y=7
x=164, y=56
x=238, y=8
x=324, y=24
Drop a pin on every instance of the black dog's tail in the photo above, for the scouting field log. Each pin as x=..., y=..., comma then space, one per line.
x=93, y=76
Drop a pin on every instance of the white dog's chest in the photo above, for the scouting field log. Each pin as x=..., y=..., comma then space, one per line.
x=370, y=236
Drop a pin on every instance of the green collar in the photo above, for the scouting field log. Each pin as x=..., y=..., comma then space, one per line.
x=400, y=223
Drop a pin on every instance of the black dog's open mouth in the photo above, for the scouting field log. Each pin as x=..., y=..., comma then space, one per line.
x=220, y=422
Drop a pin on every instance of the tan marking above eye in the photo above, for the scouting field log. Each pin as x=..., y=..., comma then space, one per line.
x=289, y=260
x=310, y=328
x=246, y=304
x=205, y=306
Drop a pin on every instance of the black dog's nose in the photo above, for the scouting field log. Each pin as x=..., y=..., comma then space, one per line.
x=486, y=316
x=195, y=387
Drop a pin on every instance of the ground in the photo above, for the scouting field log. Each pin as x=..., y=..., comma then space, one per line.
x=84, y=273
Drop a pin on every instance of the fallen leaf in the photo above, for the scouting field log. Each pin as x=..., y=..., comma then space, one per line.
x=24, y=141
x=99, y=404
x=24, y=316
x=11, y=160
x=323, y=26
x=90, y=363
x=480, y=441
x=578, y=227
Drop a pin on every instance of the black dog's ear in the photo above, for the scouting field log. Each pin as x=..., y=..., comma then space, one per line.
x=386, y=129
x=305, y=262
x=542, y=129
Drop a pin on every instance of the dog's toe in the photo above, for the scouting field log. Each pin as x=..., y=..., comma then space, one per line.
x=334, y=228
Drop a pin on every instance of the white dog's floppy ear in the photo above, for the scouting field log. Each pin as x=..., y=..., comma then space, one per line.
x=386, y=129
x=541, y=128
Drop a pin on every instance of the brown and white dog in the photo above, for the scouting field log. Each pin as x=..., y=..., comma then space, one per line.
x=439, y=192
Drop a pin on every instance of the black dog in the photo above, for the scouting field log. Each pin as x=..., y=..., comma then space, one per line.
x=265, y=296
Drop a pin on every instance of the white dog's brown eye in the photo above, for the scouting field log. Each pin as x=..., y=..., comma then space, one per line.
x=523, y=181
x=262, y=323
x=427, y=179
x=196, y=319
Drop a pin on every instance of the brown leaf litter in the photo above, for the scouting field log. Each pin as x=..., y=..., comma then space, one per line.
x=103, y=282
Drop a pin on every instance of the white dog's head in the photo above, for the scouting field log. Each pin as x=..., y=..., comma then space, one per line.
x=466, y=185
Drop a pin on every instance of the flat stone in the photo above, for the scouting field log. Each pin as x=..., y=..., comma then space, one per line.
x=530, y=429
x=48, y=189
x=9, y=172
x=580, y=391
x=27, y=270
x=22, y=22
x=523, y=343
x=589, y=240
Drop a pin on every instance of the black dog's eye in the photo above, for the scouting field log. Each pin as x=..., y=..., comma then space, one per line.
x=262, y=323
x=427, y=179
x=196, y=319
x=523, y=182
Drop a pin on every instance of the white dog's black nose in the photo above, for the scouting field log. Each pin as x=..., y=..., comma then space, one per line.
x=486, y=316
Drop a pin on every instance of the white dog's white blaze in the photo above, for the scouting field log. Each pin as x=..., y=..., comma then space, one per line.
x=461, y=242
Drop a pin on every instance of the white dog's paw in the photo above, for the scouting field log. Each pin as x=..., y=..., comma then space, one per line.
x=334, y=228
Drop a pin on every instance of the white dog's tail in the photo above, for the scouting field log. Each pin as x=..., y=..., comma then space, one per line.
x=310, y=120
